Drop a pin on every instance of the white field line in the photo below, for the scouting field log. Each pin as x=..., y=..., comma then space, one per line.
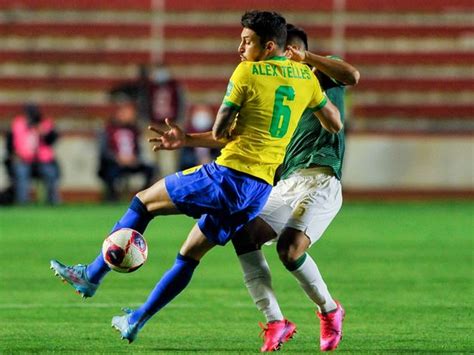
x=86, y=304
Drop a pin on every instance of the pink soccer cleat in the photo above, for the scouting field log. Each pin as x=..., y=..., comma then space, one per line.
x=331, y=328
x=276, y=333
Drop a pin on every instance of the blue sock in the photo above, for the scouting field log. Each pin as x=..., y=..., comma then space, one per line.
x=171, y=284
x=137, y=217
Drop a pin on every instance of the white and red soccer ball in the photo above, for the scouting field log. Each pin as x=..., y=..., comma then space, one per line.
x=125, y=250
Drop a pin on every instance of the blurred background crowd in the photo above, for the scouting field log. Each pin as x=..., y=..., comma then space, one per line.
x=134, y=104
x=80, y=81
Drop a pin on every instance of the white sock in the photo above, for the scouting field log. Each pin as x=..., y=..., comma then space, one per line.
x=312, y=282
x=258, y=280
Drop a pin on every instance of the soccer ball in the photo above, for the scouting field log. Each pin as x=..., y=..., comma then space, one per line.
x=125, y=250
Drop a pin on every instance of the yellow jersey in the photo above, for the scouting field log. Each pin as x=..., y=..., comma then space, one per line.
x=270, y=96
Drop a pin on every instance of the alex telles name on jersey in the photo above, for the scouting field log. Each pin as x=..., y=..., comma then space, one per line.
x=268, y=69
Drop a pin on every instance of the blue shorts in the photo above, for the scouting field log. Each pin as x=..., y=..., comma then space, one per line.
x=223, y=199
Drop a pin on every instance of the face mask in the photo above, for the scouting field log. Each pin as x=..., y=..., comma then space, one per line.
x=202, y=120
x=162, y=75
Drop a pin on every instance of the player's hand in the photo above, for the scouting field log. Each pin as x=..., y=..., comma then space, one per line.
x=295, y=54
x=170, y=139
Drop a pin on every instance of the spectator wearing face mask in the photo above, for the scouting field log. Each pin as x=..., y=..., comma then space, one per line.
x=200, y=120
x=165, y=99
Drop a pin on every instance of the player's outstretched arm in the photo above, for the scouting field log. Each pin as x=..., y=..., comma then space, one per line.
x=330, y=117
x=174, y=138
x=334, y=68
x=204, y=139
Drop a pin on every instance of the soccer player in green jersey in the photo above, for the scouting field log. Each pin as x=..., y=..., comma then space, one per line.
x=300, y=208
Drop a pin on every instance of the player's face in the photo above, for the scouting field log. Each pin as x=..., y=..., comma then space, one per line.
x=250, y=48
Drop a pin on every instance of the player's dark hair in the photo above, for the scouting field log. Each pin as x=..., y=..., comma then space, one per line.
x=269, y=26
x=296, y=32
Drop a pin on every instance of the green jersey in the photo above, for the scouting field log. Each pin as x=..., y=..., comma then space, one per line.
x=311, y=145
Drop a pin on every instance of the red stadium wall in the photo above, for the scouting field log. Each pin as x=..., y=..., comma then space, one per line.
x=415, y=58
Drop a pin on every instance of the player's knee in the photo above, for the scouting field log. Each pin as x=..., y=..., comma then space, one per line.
x=243, y=244
x=287, y=254
x=252, y=236
x=157, y=200
x=143, y=196
x=291, y=245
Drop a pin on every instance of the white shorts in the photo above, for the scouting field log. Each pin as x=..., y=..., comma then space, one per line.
x=307, y=201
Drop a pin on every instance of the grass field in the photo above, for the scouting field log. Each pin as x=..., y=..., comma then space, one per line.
x=403, y=271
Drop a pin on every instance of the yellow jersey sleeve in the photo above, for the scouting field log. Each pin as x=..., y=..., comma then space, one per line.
x=237, y=87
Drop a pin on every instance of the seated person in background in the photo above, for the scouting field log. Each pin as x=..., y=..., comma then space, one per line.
x=31, y=154
x=200, y=120
x=120, y=149
x=159, y=96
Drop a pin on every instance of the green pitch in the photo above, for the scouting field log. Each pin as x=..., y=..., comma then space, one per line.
x=403, y=271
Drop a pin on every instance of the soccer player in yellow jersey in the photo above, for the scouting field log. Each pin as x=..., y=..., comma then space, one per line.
x=268, y=95
x=265, y=98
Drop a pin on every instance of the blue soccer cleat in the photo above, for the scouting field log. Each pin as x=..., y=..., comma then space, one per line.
x=75, y=276
x=127, y=330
